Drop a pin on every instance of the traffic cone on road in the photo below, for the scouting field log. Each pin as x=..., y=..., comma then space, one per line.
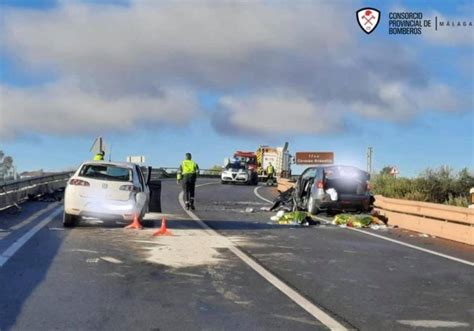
x=163, y=231
x=135, y=224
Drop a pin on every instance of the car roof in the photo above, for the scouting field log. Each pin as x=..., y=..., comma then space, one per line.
x=118, y=164
x=326, y=166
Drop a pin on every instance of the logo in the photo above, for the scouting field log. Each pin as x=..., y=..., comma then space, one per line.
x=368, y=19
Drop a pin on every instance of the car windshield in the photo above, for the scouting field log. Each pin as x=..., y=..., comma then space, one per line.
x=345, y=172
x=236, y=166
x=106, y=172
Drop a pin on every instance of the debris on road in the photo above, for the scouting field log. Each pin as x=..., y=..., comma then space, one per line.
x=186, y=248
x=353, y=221
x=293, y=218
x=249, y=210
x=285, y=201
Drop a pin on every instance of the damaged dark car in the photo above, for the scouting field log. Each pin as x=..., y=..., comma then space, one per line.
x=333, y=188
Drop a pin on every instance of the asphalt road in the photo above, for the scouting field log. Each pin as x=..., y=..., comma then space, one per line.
x=100, y=276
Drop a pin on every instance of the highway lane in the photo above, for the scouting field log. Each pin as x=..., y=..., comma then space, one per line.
x=99, y=276
x=365, y=281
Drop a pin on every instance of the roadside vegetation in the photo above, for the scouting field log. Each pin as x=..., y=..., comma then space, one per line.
x=442, y=185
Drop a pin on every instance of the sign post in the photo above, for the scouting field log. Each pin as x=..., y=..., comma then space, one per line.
x=136, y=159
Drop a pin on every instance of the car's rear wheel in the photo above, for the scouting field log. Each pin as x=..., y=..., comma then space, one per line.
x=69, y=220
x=312, y=207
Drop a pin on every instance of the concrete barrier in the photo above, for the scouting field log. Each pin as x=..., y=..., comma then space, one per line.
x=453, y=223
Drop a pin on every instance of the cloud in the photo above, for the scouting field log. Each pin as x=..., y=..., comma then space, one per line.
x=451, y=36
x=402, y=103
x=63, y=108
x=279, y=111
x=287, y=63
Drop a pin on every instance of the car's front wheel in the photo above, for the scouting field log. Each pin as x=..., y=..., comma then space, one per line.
x=69, y=220
x=312, y=207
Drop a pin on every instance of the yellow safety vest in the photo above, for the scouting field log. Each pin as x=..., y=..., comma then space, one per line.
x=98, y=157
x=189, y=167
x=270, y=170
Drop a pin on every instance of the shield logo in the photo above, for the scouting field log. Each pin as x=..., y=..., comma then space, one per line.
x=368, y=19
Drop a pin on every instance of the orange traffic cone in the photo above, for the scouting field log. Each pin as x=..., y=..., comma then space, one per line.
x=135, y=224
x=163, y=231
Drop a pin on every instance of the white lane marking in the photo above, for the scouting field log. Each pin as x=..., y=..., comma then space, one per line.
x=10, y=251
x=255, y=191
x=304, y=303
x=56, y=229
x=469, y=263
x=34, y=216
x=111, y=259
x=433, y=323
x=83, y=250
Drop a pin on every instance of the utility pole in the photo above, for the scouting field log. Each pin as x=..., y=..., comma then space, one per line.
x=369, y=160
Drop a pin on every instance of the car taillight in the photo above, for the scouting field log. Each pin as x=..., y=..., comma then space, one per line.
x=129, y=188
x=78, y=182
x=319, y=184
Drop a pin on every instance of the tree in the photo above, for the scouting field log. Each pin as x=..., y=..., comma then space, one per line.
x=386, y=170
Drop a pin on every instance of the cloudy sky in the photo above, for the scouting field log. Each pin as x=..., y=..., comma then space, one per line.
x=161, y=78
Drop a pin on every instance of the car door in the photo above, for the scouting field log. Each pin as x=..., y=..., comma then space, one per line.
x=303, y=180
x=143, y=187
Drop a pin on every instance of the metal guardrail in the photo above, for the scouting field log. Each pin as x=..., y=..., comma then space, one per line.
x=13, y=193
x=160, y=173
x=16, y=192
x=449, y=222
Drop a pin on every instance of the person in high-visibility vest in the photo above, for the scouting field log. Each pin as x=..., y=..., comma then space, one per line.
x=99, y=156
x=270, y=171
x=187, y=174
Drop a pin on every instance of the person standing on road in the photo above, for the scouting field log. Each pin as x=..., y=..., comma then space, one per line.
x=99, y=156
x=270, y=171
x=187, y=174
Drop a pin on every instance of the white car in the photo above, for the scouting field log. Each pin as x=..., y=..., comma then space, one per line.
x=235, y=172
x=106, y=190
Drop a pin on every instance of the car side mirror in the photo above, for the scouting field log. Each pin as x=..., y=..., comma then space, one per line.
x=148, y=177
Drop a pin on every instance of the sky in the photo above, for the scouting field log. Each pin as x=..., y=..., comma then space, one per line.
x=162, y=78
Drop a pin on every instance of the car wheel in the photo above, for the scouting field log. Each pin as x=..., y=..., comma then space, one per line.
x=312, y=207
x=223, y=182
x=69, y=220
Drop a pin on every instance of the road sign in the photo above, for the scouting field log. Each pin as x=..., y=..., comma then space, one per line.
x=136, y=159
x=394, y=171
x=314, y=158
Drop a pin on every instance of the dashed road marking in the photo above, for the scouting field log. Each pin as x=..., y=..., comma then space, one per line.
x=433, y=323
x=92, y=260
x=300, y=300
x=10, y=251
x=111, y=259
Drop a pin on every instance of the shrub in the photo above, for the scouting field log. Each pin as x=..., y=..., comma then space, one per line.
x=440, y=185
